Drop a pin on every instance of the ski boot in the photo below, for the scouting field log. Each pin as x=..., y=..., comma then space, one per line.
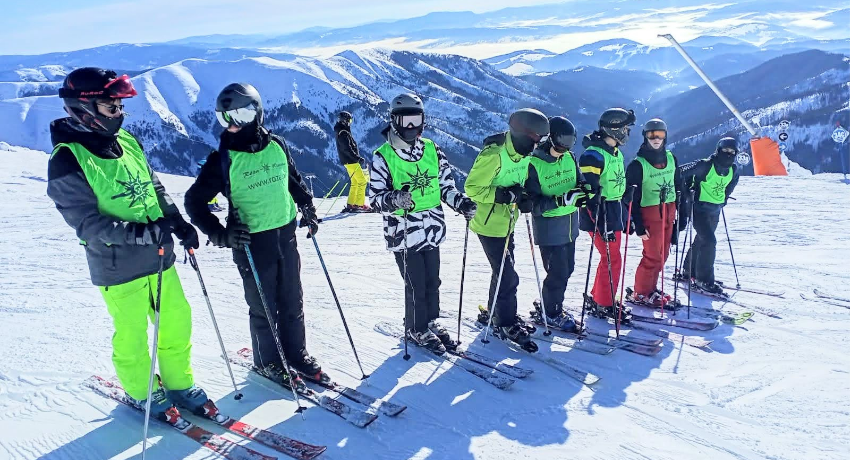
x=427, y=340
x=310, y=368
x=611, y=313
x=518, y=334
x=195, y=400
x=277, y=374
x=161, y=407
x=443, y=335
x=710, y=288
x=562, y=320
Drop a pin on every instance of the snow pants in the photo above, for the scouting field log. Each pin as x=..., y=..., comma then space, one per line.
x=357, y=193
x=506, y=302
x=421, y=288
x=131, y=305
x=704, y=247
x=559, y=262
x=278, y=263
x=601, y=292
x=656, y=249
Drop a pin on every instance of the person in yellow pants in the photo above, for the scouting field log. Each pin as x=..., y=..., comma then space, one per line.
x=102, y=184
x=355, y=165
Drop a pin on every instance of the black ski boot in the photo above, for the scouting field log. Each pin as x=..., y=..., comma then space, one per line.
x=427, y=340
x=710, y=288
x=443, y=335
x=518, y=334
x=307, y=366
x=611, y=313
x=279, y=375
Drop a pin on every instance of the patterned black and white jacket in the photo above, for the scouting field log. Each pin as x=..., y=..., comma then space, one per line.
x=426, y=230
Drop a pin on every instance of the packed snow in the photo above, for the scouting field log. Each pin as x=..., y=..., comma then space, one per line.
x=771, y=388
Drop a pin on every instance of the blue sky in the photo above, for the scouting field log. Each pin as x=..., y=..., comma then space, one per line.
x=62, y=25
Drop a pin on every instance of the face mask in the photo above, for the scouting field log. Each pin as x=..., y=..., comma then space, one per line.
x=110, y=125
x=523, y=144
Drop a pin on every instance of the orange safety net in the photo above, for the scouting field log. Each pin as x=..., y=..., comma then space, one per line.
x=766, y=158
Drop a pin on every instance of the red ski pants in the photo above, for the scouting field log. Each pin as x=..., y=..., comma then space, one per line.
x=602, y=284
x=657, y=248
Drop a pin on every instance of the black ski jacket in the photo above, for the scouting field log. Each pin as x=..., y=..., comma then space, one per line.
x=346, y=147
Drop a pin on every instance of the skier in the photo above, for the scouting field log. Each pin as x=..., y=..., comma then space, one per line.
x=410, y=177
x=255, y=170
x=355, y=165
x=495, y=183
x=555, y=187
x=657, y=188
x=712, y=181
x=602, y=166
x=103, y=186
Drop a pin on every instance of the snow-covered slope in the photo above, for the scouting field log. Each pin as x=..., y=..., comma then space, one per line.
x=769, y=389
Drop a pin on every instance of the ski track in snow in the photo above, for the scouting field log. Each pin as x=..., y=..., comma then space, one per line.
x=768, y=389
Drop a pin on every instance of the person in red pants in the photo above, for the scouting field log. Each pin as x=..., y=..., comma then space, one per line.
x=605, y=218
x=657, y=183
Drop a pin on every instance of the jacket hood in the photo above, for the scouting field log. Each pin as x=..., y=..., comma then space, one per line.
x=340, y=126
x=66, y=131
x=596, y=139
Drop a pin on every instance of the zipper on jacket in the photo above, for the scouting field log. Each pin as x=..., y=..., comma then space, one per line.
x=492, y=208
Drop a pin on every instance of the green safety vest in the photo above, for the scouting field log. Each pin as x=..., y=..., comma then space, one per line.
x=713, y=188
x=657, y=183
x=123, y=186
x=556, y=179
x=422, y=176
x=259, y=188
x=612, y=180
x=511, y=172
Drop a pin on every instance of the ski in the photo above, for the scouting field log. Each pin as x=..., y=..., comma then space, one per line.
x=224, y=447
x=509, y=369
x=625, y=336
x=486, y=373
x=824, y=295
x=734, y=288
x=825, y=300
x=726, y=298
x=385, y=407
x=348, y=413
x=696, y=342
x=585, y=378
x=291, y=447
x=683, y=323
x=611, y=343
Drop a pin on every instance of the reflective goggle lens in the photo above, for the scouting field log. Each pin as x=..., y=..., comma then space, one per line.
x=120, y=87
x=656, y=135
x=236, y=117
x=409, y=121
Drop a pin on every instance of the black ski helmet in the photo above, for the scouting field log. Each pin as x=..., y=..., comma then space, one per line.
x=239, y=96
x=656, y=124
x=562, y=133
x=84, y=87
x=528, y=127
x=727, y=143
x=615, y=123
x=404, y=108
x=345, y=117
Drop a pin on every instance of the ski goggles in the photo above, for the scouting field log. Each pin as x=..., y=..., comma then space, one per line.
x=728, y=151
x=652, y=135
x=120, y=88
x=236, y=117
x=409, y=121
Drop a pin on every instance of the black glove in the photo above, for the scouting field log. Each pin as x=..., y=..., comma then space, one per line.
x=525, y=204
x=236, y=235
x=576, y=197
x=467, y=207
x=508, y=195
x=610, y=236
x=633, y=228
x=186, y=233
x=153, y=232
x=674, y=238
x=309, y=219
x=401, y=199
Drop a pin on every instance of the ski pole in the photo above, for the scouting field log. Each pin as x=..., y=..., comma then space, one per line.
x=586, y=298
x=501, y=270
x=610, y=274
x=692, y=253
x=273, y=328
x=338, y=306
x=406, y=356
x=537, y=275
x=732, y=253
x=194, y=262
x=663, y=211
x=462, y=276
x=328, y=194
x=333, y=203
x=161, y=252
x=625, y=255
x=676, y=273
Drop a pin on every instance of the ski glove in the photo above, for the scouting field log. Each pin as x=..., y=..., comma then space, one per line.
x=401, y=199
x=610, y=236
x=576, y=197
x=236, y=235
x=508, y=195
x=309, y=219
x=153, y=232
x=186, y=233
x=467, y=207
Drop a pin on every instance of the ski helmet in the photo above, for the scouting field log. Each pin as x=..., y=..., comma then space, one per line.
x=562, y=133
x=728, y=146
x=239, y=104
x=407, y=117
x=655, y=125
x=84, y=88
x=528, y=127
x=615, y=123
x=345, y=117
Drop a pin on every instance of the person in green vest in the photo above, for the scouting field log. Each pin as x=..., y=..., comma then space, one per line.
x=556, y=189
x=603, y=168
x=495, y=183
x=254, y=169
x=658, y=187
x=712, y=181
x=410, y=177
x=105, y=189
